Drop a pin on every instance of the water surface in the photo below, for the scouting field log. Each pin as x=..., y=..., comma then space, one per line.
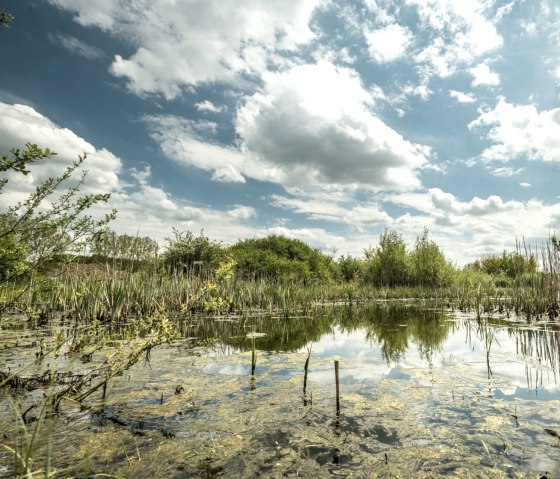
x=423, y=393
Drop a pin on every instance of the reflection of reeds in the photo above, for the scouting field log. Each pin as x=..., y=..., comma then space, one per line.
x=539, y=346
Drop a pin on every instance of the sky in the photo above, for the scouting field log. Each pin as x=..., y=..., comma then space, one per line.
x=328, y=121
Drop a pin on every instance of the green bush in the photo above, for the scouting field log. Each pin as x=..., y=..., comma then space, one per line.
x=428, y=264
x=505, y=267
x=279, y=258
x=388, y=264
x=190, y=254
x=350, y=268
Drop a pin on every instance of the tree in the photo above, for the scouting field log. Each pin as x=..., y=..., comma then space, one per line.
x=108, y=244
x=51, y=220
x=429, y=266
x=350, y=268
x=188, y=253
x=388, y=264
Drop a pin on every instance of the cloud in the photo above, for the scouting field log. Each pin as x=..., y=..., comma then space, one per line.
x=483, y=75
x=207, y=105
x=518, y=131
x=467, y=230
x=447, y=203
x=314, y=124
x=358, y=216
x=460, y=31
x=381, y=14
x=506, y=172
x=389, y=43
x=192, y=144
x=243, y=212
x=98, y=13
x=524, y=184
x=462, y=97
x=297, y=133
x=20, y=124
x=75, y=46
x=197, y=41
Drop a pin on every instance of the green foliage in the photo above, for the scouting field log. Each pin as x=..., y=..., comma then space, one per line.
x=504, y=268
x=13, y=256
x=53, y=219
x=350, y=268
x=279, y=258
x=5, y=18
x=18, y=160
x=388, y=264
x=190, y=254
x=428, y=264
x=214, y=299
x=108, y=244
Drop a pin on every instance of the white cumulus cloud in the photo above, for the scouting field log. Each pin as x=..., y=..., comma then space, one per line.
x=309, y=128
x=518, y=131
x=389, y=43
x=462, y=97
x=207, y=105
x=196, y=41
x=20, y=124
x=483, y=75
x=461, y=33
x=314, y=123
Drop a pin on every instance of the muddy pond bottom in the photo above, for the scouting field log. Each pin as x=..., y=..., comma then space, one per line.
x=423, y=393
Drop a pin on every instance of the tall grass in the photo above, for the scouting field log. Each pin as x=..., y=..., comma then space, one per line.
x=117, y=294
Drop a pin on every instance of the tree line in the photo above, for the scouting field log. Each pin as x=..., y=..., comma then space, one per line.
x=34, y=236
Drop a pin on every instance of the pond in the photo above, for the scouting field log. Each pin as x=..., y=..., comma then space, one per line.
x=424, y=392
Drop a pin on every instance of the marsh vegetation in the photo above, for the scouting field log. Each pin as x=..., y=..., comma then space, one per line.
x=208, y=359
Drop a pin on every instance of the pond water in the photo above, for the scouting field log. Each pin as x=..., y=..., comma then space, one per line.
x=423, y=393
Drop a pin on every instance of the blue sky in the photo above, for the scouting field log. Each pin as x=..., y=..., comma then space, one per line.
x=323, y=120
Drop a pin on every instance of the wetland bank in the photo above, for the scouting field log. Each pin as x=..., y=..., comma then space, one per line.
x=425, y=392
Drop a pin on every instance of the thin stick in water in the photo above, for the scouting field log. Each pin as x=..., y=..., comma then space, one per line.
x=337, y=388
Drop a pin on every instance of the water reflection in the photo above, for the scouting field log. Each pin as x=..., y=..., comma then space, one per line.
x=387, y=339
x=395, y=328
x=420, y=390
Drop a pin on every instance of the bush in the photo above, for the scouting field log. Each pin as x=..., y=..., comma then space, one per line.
x=350, y=268
x=428, y=263
x=505, y=267
x=388, y=264
x=191, y=254
x=280, y=258
x=13, y=256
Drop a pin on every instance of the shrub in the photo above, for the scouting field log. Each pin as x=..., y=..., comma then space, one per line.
x=282, y=259
x=388, y=264
x=187, y=253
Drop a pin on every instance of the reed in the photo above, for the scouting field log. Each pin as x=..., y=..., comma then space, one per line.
x=112, y=294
